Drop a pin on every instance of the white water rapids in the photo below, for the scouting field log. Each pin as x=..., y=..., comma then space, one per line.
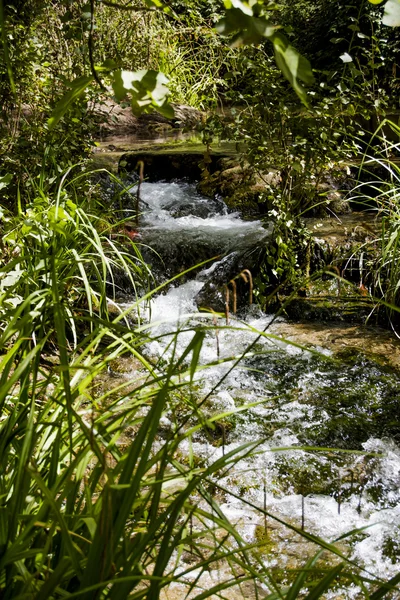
x=304, y=399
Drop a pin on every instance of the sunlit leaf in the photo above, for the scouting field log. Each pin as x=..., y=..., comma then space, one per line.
x=242, y=6
x=148, y=90
x=391, y=15
x=346, y=58
x=5, y=180
x=77, y=88
x=293, y=65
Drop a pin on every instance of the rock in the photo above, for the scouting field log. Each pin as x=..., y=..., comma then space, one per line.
x=207, y=209
x=213, y=293
x=330, y=308
x=117, y=119
x=166, y=163
x=186, y=116
x=240, y=186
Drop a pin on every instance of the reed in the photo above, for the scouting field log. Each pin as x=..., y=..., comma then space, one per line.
x=381, y=194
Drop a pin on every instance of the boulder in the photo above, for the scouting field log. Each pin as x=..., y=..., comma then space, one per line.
x=116, y=119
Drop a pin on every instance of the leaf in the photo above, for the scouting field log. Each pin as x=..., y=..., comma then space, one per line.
x=391, y=15
x=107, y=65
x=293, y=65
x=324, y=584
x=388, y=586
x=375, y=1
x=248, y=29
x=5, y=180
x=242, y=6
x=11, y=278
x=346, y=58
x=296, y=587
x=78, y=86
x=148, y=90
x=157, y=4
x=166, y=110
x=91, y=524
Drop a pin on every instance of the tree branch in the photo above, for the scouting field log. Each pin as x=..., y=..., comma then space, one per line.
x=127, y=6
x=91, y=59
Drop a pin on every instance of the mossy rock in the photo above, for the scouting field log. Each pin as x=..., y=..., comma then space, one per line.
x=350, y=309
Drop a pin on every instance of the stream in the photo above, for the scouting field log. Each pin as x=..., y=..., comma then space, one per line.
x=327, y=414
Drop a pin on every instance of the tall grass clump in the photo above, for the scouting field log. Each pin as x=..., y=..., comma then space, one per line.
x=379, y=191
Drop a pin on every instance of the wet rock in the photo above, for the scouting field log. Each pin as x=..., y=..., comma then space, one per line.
x=329, y=308
x=167, y=164
x=240, y=186
x=219, y=278
x=207, y=209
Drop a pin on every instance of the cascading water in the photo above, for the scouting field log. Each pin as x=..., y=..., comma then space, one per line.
x=300, y=398
x=184, y=228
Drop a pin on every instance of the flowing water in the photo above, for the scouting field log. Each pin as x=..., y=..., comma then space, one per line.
x=329, y=459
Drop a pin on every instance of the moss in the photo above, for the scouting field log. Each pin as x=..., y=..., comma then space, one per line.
x=274, y=540
x=391, y=546
x=346, y=404
x=263, y=536
x=351, y=309
x=316, y=475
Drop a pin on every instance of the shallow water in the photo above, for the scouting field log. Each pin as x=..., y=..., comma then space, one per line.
x=329, y=425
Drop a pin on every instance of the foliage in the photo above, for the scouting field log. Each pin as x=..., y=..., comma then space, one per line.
x=92, y=510
x=99, y=497
x=55, y=248
x=307, y=150
x=378, y=190
x=95, y=502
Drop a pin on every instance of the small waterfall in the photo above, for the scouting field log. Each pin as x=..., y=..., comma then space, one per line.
x=300, y=401
x=183, y=228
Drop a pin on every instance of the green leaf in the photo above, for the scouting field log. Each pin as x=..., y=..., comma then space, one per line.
x=58, y=219
x=242, y=6
x=375, y=1
x=388, y=586
x=166, y=110
x=293, y=65
x=5, y=180
x=323, y=586
x=91, y=524
x=296, y=587
x=391, y=15
x=157, y=4
x=107, y=65
x=78, y=86
x=148, y=90
x=248, y=29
